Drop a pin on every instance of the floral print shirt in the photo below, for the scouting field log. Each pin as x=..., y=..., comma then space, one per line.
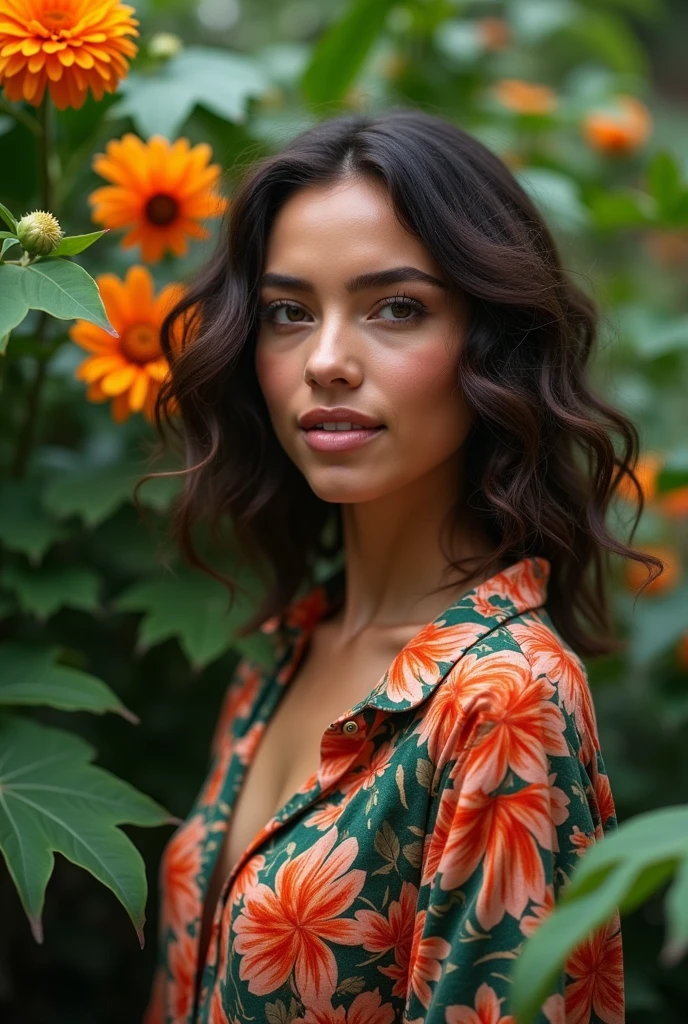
x=400, y=881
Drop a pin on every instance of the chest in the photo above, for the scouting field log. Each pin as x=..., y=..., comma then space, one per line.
x=327, y=683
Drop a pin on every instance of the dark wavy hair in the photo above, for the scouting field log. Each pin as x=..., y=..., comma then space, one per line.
x=540, y=461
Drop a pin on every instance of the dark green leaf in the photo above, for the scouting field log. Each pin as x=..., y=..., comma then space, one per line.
x=53, y=799
x=162, y=101
x=8, y=218
x=341, y=52
x=25, y=526
x=59, y=287
x=44, y=591
x=29, y=675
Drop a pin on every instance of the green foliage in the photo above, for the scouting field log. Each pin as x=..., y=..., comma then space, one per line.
x=85, y=580
x=621, y=872
x=53, y=799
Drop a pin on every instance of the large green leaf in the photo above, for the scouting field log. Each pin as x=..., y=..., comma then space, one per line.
x=656, y=623
x=53, y=800
x=29, y=675
x=620, y=872
x=189, y=606
x=44, y=591
x=57, y=286
x=556, y=194
x=340, y=54
x=25, y=526
x=221, y=81
x=94, y=494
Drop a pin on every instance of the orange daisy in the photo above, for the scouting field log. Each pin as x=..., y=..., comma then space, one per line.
x=128, y=369
x=525, y=97
x=69, y=45
x=619, y=131
x=160, y=192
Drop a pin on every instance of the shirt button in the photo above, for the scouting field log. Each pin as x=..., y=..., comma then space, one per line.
x=350, y=727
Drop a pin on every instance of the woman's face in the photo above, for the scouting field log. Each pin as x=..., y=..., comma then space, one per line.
x=386, y=350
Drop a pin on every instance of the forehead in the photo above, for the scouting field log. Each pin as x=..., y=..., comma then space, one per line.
x=345, y=225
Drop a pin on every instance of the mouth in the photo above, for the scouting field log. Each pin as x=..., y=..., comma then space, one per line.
x=339, y=438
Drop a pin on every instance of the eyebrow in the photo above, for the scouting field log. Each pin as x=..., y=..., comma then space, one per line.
x=375, y=279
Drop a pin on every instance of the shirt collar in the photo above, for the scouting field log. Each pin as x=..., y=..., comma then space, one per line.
x=435, y=648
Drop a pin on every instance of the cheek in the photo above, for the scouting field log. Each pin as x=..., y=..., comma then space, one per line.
x=424, y=384
x=275, y=379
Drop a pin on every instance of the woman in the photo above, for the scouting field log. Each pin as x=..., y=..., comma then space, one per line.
x=388, y=367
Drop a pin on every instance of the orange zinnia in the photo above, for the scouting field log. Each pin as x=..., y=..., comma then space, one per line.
x=131, y=368
x=69, y=45
x=525, y=97
x=618, y=132
x=160, y=191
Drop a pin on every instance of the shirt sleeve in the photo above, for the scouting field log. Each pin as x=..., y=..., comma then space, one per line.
x=522, y=793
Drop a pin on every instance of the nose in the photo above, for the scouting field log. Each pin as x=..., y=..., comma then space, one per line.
x=332, y=357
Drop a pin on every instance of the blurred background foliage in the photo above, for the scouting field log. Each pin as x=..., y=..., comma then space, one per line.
x=586, y=100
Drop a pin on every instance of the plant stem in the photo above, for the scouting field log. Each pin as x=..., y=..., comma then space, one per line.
x=22, y=117
x=27, y=431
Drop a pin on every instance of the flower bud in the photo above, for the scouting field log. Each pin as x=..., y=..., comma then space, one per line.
x=39, y=233
x=164, y=45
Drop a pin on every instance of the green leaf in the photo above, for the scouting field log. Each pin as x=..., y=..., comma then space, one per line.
x=95, y=494
x=674, y=471
x=619, y=872
x=340, y=54
x=59, y=287
x=607, y=36
x=29, y=675
x=657, y=623
x=73, y=244
x=534, y=20
x=25, y=526
x=189, y=606
x=653, y=334
x=615, y=210
x=664, y=180
x=8, y=241
x=8, y=218
x=44, y=591
x=162, y=101
x=53, y=800
x=556, y=194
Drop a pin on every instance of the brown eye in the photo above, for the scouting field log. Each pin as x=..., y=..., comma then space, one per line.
x=292, y=311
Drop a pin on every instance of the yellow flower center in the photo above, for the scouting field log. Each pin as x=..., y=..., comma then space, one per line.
x=141, y=343
x=162, y=209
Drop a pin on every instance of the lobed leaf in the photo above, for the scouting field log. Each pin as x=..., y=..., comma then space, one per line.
x=52, y=799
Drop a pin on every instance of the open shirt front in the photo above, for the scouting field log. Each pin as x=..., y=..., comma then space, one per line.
x=399, y=882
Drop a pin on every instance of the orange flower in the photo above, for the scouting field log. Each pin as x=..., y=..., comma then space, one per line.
x=646, y=470
x=636, y=574
x=69, y=45
x=619, y=131
x=487, y=1010
x=288, y=927
x=160, y=192
x=597, y=971
x=495, y=33
x=131, y=368
x=674, y=503
x=525, y=97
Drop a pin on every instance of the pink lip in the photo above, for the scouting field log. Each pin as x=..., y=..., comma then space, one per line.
x=339, y=440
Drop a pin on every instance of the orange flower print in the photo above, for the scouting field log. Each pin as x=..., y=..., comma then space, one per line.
x=367, y=1008
x=596, y=969
x=339, y=752
x=503, y=832
x=182, y=967
x=181, y=863
x=603, y=796
x=155, y=1011
x=325, y=817
x=521, y=584
x=379, y=933
x=375, y=768
x=520, y=725
x=425, y=960
x=537, y=914
x=486, y=1010
x=213, y=785
x=237, y=703
x=286, y=927
x=247, y=878
x=417, y=663
x=580, y=840
x=246, y=746
x=554, y=1009
x=565, y=669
